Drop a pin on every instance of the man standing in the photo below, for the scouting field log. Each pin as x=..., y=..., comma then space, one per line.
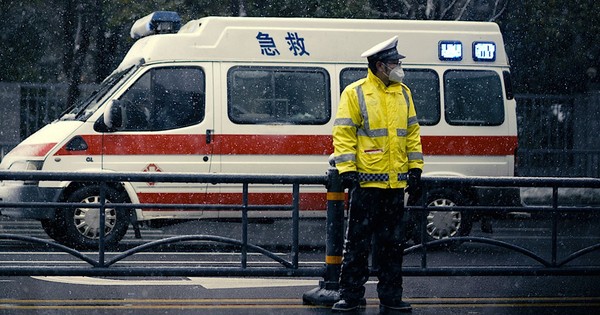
x=378, y=153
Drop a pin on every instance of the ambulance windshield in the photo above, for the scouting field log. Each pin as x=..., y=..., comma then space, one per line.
x=85, y=107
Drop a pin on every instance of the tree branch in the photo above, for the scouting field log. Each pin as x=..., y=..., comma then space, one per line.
x=446, y=9
x=494, y=17
x=462, y=11
x=429, y=8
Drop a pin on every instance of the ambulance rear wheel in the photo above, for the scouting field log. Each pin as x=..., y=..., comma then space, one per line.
x=82, y=224
x=443, y=224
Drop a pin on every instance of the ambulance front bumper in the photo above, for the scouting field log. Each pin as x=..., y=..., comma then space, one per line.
x=16, y=200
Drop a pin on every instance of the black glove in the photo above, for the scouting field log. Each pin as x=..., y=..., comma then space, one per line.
x=414, y=181
x=349, y=179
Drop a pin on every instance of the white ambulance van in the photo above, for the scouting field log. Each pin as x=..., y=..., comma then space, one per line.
x=259, y=95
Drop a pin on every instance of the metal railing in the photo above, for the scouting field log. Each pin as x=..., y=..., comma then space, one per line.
x=101, y=266
x=327, y=291
x=545, y=267
x=559, y=162
x=335, y=217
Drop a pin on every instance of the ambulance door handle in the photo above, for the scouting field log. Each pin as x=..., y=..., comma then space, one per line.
x=209, y=133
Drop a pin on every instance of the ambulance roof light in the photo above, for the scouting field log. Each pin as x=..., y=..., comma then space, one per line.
x=159, y=22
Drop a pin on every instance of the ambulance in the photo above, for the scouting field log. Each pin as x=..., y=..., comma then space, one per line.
x=247, y=95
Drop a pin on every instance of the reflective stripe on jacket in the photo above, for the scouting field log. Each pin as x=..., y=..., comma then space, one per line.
x=376, y=133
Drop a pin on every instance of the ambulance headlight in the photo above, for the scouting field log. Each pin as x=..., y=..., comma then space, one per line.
x=159, y=22
x=26, y=166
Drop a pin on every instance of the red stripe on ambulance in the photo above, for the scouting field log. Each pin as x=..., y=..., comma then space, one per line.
x=469, y=145
x=273, y=145
x=308, y=201
x=32, y=149
x=164, y=144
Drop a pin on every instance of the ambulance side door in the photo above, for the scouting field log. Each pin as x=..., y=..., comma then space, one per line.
x=167, y=126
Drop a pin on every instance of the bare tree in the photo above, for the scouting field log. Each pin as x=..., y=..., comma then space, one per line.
x=238, y=8
x=480, y=10
x=76, y=40
x=499, y=8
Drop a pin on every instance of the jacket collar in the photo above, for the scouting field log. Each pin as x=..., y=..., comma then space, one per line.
x=393, y=87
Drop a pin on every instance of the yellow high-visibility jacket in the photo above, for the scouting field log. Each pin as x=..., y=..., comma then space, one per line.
x=376, y=133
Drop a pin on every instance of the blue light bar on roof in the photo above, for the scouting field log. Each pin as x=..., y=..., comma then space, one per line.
x=484, y=51
x=450, y=50
x=159, y=22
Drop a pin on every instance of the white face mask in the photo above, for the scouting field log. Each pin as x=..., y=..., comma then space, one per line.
x=396, y=74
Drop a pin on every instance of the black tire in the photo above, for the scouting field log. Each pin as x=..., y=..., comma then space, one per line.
x=443, y=224
x=55, y=229
x=81, y=224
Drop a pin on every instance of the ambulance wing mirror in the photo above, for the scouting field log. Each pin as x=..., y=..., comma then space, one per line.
x=114, y=115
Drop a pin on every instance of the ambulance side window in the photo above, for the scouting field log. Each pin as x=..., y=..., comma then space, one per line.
x=423, y=84
x=165, y=98
x=473, y=98
x=278, y=95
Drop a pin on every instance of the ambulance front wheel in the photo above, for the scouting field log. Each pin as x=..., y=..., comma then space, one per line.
x=81, y=225
x=443, y=224
x=54, y=228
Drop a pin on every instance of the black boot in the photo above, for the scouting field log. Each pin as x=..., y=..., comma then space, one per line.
x=348, y=305
x=401, y=307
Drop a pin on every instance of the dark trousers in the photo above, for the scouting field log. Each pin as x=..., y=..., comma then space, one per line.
x=375, y=215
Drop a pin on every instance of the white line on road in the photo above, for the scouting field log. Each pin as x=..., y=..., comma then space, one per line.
x=207, y=283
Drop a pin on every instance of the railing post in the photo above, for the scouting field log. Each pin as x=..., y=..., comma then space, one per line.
x=327, y=291
x=296, y=225
x=554, y=225
x=422, y=222
x=245, y=226
x=102, y=224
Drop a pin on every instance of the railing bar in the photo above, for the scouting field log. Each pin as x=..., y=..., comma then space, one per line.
x=296, y=225
x=470, y=181
x=282, y=179
x=554, y=224
x=145, y=205
x=507, y=209
x=184, y=238
x=578, y=254
x=423, y=224
x=53, y=205
x=144, y=177
x=482, y=240
x=245, y=226
x=102, y=224
x=61, y=247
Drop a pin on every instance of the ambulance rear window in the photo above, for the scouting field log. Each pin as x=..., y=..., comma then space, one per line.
x=473, y=98
x=423, y=84
x=278, y=95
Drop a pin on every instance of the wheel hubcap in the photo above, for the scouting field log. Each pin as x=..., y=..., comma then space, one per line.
x=443, y=224
x=87, y=220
